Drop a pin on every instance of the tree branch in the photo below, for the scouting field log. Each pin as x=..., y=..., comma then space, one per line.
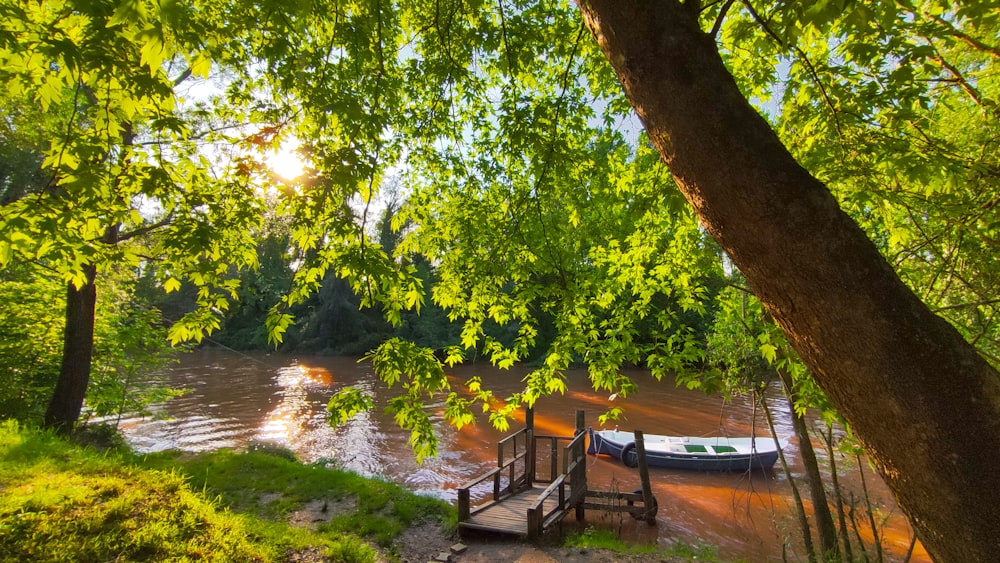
x=966, y=38
x=182, y=77
x=763, y=23
x=967, y=305
x=146, y=229
x=958, y=77
x=718, y=19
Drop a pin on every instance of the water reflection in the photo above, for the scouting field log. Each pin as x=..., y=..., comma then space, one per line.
x=286, y=423
x=358, y=444
x=238, y=398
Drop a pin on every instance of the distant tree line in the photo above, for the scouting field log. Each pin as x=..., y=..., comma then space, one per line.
x=332, y=321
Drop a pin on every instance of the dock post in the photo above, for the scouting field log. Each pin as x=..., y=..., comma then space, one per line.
x=463, y=505
x=496, y=479
x=581, y=472
x=534, y=523
x=648, y=501
x=529, y=460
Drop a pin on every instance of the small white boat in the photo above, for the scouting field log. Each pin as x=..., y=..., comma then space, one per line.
x=716, y=453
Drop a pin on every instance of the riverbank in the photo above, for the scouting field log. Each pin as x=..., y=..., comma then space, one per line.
x=62, y=501
x=235, y=400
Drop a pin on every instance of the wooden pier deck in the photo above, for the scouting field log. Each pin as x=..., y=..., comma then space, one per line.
x=507, y=517
x=520, y=504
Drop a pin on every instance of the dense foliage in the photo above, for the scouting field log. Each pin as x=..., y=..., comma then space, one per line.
x=536, y=218
x=477, y=186
x=130, y=347
x=537, y=223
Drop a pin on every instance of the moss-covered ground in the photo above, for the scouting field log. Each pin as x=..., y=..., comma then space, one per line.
x=60, y=501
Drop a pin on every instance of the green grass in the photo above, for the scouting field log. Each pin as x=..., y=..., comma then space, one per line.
x=270, y=485
x=63, y=502
x=593, y=538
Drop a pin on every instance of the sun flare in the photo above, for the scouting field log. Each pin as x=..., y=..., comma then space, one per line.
x=285, y=161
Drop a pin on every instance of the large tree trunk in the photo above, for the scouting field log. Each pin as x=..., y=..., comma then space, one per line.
x=78, y=348
x=924, y=403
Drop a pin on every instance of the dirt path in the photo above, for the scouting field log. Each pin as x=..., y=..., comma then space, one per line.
x=427, y=543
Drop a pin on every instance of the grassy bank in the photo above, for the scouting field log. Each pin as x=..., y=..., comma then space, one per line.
x=63, y=502
x=607, y=541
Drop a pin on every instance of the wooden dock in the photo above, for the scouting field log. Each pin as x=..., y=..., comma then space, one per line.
x=525, y=502
x=507, y=517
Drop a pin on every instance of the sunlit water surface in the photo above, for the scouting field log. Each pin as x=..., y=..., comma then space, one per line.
x=235, y=399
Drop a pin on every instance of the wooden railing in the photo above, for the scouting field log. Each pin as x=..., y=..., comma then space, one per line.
x=552, y=443
x=516, y=481
x=537, y=515
x=567, y=489
x=573, y=476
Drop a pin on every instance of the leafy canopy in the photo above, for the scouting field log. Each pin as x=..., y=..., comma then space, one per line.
x=531, y=192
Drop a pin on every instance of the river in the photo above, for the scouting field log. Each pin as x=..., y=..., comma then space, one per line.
x=236, y=398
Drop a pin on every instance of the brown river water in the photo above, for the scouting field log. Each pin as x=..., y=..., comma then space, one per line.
x=238, y=398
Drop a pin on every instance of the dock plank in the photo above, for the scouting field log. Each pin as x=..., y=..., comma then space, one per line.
x=509, y=516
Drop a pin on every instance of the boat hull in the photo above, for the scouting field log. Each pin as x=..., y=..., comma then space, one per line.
x=706, y=454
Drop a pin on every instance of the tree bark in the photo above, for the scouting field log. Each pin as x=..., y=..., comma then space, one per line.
x=78, y=347
x=924, y=403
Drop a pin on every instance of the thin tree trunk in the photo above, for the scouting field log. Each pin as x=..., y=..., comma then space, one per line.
x=845, y=536
x=909, y=550
x=877, y=537
x=78, y=340
x=817, y=493
x=857, y=532
x=78, y=347
x=800, y=510
x=897, y=373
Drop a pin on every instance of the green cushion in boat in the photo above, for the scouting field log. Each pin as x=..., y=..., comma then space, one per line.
x=724, y=449
x=695, y=449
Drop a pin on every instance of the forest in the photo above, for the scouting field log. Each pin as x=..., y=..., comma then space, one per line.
x=730, y=192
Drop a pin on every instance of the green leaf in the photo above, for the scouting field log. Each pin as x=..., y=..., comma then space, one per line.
x=348, y=402
x=171, y=285
x=770, y=352
x=127, y=12
x=201, y=65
